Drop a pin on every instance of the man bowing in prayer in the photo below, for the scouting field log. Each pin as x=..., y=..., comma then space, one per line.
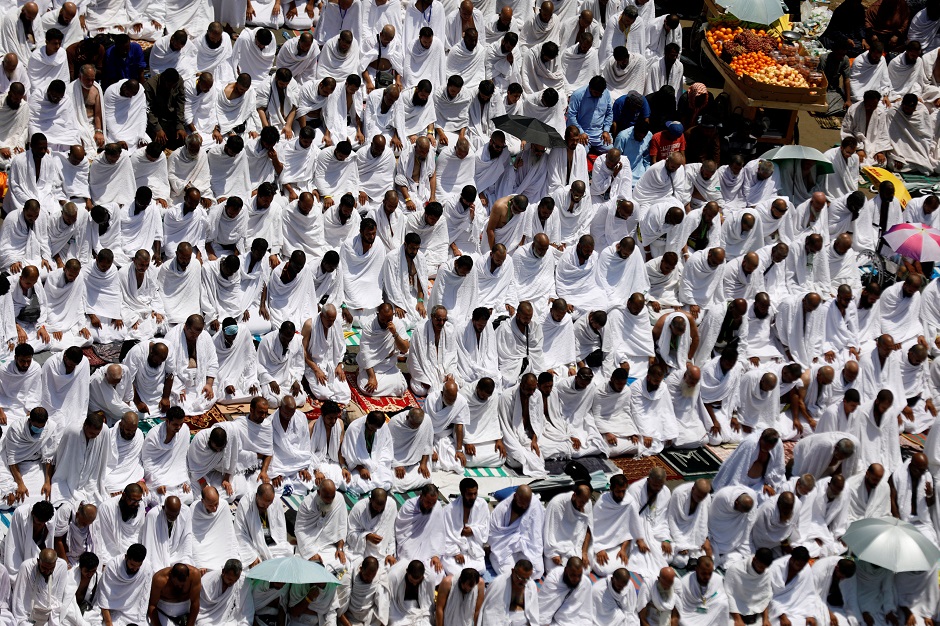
x=567, y=532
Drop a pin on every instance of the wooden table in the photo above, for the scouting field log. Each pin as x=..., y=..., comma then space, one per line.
x=739, y=98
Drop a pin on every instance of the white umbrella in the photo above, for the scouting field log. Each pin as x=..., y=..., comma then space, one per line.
x=892, y=544
x=764, y=12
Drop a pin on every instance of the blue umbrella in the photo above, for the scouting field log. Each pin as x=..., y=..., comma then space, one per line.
x=293, y=570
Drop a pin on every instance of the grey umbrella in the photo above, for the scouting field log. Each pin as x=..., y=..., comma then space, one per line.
x=530, y=130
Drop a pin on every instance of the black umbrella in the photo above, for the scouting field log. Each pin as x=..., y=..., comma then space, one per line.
x=529, y=130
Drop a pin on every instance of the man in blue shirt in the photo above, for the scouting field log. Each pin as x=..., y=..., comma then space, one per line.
x=634, y=145
x=590, y=110
x=125, y=59
x=628, y=108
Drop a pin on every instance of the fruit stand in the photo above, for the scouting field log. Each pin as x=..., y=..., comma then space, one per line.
x=761, y=70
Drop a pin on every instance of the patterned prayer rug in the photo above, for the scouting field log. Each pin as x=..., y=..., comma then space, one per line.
x=103, y=354
x=635, y=469
x=692, y=464
x=385, y=404
x=211, y=417
x=917, y=440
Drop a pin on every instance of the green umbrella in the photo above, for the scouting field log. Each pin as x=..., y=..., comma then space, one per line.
x=800, y=153
x=764, y=12
x=529, y=129
x=293, y=570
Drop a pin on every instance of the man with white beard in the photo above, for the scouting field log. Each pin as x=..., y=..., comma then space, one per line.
x=611, y=520
x=213, y=531
x=164, y=457
x=167, y=534
x=412, y=439
x=448, y=412
x=466, y=522
x=748, y=586
x=729, y=523
x=683, y=386
x=656, y=599
x=567, y=533
x=321, y=528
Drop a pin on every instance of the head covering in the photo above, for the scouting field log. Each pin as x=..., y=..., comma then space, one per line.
x=675, y=128
x=634, y=99
x=695, y=91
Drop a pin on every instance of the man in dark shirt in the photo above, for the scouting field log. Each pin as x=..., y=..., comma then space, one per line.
x=89, y=51
x=165, y=104
x=835, y=66
x=125, y=59
x=702, y=142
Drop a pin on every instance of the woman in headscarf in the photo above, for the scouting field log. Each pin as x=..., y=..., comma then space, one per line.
x=887, y=21
x=848, y=24
x=692, y=104
x=662, y=107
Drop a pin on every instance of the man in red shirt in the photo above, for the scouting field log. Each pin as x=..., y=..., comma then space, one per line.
x=667, y=142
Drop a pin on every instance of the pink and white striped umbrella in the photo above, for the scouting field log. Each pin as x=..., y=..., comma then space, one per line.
x=914, y=241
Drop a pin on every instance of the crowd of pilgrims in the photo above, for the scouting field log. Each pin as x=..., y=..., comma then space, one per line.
x=227, y=210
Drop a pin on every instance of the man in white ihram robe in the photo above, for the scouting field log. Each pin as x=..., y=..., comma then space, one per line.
x=213, y=531
x=321, y=528
x=463, y=549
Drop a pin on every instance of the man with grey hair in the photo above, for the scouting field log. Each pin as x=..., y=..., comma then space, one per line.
x=188, y=166
x=107, y=393
x=225, y=596
x=759, y=183
x=412, y=446
x=324, y=348
x=825, y=454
